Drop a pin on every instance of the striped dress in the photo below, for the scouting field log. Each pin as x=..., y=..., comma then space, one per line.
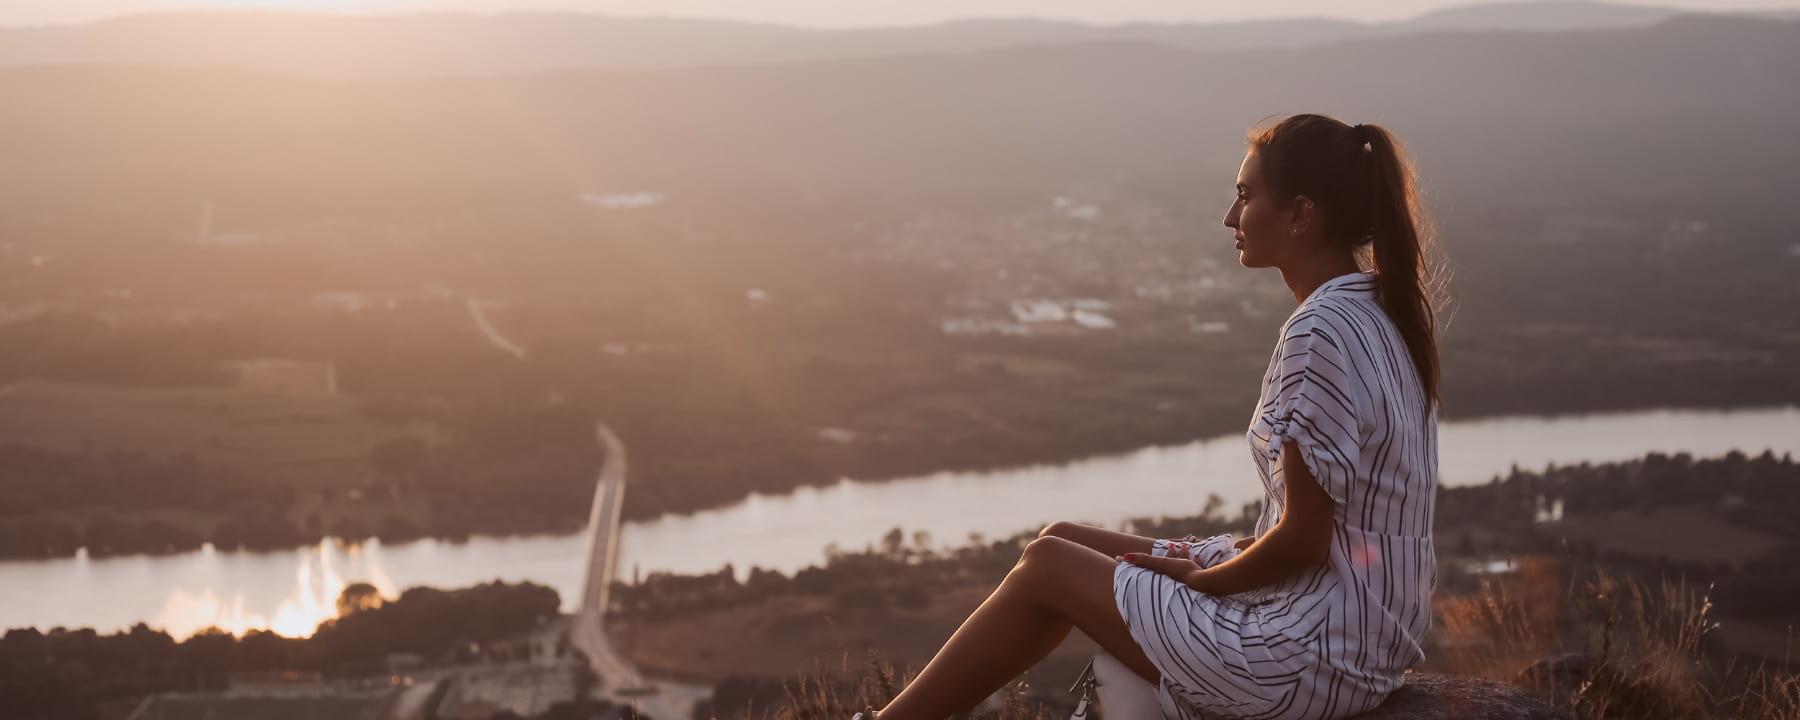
x=1333, y=640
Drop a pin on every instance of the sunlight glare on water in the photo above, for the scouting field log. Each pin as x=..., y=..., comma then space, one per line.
x=312, y=601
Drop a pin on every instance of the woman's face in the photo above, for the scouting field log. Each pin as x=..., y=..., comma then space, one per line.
x=1264, y=226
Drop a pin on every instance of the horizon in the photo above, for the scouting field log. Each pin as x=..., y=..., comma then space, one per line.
x=798, y=13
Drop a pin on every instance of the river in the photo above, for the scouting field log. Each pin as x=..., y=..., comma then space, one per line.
x=290, y=591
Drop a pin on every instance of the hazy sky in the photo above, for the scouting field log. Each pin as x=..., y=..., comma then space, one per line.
x=822, y=13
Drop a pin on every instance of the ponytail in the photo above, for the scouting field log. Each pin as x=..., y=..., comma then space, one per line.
x=1402, y=276
x=1365, y=183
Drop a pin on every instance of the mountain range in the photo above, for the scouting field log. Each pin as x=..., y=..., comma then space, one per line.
x=1691, y=116
x=389, y=46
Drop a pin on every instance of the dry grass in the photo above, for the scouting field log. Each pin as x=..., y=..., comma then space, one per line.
x=1509, y=622
x=1629, y=649
x=872, y=683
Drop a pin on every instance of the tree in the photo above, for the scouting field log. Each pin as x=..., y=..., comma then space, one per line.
x=358, y=597
x=1214, y=503
x=893, y=542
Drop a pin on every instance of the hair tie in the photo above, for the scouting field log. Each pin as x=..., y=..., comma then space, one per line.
x=1362, y=133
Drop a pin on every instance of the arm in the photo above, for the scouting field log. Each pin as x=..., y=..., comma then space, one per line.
x=1300, y=541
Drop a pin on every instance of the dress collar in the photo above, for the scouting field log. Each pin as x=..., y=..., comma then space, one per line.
x=1356, y=284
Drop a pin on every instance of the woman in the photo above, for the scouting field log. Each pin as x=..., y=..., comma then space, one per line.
x=1319, y=615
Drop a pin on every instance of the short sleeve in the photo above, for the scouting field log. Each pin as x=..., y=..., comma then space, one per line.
x=1313, y=403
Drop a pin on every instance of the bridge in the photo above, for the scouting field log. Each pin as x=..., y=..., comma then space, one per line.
x=620, y=680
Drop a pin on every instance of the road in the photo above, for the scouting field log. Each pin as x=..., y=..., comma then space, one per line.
x=589, y=630
x=478, y=311
x=620, y=680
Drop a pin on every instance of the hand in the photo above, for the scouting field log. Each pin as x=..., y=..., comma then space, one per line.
x=1244, y=544
x=1182, y=569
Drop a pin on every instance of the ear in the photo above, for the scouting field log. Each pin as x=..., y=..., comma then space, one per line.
x=1302, y=213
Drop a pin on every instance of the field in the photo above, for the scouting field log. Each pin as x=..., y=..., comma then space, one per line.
x=276, y=430
x=1703, y=535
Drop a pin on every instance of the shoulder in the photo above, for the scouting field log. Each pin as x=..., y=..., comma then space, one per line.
x=1328, y=324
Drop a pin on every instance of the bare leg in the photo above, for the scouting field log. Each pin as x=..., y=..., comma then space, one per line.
x=1108, y=542
x=1057, y=585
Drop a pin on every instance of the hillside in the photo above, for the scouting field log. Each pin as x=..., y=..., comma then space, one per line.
x=1639, y=114
x=803, y=247
x=394, y=46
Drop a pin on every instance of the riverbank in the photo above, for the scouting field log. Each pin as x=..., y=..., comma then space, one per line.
x=904, y=597
x=792, y=528
x=1677, y=625
x=788, y=533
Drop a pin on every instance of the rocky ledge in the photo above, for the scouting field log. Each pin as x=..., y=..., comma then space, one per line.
x=1429, y=696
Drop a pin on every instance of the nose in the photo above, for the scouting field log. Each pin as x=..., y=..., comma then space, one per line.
x=1231, y=216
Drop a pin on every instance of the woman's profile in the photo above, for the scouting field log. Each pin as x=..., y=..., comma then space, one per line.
x=1321, y=612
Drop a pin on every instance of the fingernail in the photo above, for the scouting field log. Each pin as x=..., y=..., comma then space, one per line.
x=1131, y=557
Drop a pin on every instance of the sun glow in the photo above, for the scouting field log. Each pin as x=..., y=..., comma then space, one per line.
x=317, y=585
x=317, y=6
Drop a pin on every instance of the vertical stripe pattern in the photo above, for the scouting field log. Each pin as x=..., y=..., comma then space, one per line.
x=1334, y=640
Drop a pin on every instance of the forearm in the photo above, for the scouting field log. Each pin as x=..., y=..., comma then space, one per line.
x=1266, y=561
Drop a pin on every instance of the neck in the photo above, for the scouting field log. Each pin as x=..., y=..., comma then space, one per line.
x=1304, y=278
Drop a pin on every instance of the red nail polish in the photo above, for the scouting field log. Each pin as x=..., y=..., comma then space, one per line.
x=1131, y=557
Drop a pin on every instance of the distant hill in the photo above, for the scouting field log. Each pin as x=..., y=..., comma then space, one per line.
x=389, y=46
x=1693, y=112
x=1547, y=15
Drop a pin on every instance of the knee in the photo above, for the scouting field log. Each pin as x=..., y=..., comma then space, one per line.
x=1060, y=528
x=1045, y=567
x=1043, y=548
x=1051, y=533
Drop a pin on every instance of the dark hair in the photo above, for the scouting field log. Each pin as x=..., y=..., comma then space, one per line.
x=1364, y=186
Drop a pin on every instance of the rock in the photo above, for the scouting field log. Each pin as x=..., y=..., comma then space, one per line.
x=1429, y=696
x=1559, y=678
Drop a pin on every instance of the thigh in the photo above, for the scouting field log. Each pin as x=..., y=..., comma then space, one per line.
x=1076, y=583
x=1108, y=542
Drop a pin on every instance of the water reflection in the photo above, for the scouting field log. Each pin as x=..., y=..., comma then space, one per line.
x=317, y=585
